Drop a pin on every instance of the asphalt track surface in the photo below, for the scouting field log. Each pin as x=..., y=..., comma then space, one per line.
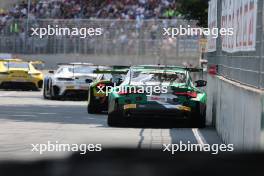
x=26, y=118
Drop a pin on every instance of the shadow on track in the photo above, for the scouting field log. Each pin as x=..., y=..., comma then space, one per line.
x=51, y=114
x=130, y=162
x=156, y=123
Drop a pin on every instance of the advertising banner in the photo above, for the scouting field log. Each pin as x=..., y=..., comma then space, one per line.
x=241, y=15
x=212, y=23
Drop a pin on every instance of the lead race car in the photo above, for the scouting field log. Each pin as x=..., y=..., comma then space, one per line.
x=19, y=74
x=71, y=80
x=177, y=98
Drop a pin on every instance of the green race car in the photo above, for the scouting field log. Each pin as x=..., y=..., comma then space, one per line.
x=108, y=77
x=151, y=91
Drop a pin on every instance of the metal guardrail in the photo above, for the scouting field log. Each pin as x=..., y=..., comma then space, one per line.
x=244, y=67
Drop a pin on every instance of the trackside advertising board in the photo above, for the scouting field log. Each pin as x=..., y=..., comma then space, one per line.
x=212, y=23
x=241, y=15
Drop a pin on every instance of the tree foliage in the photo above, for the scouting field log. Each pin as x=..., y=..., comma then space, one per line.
x=194, y=10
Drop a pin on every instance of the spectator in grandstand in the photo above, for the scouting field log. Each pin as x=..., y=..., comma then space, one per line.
x=127, y=9
x=99, y=9
x=3, y=18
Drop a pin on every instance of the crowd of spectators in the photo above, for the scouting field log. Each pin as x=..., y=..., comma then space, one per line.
x=127, y=36
x=90, y=9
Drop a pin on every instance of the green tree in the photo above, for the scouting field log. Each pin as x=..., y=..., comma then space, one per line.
x=194, y=10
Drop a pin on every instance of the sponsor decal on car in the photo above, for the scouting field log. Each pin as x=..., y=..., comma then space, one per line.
x=130, y=106
x=70, y=87
x=184, y=108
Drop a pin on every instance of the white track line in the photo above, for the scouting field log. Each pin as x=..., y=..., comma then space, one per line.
x=199, y=137
x=4, y=94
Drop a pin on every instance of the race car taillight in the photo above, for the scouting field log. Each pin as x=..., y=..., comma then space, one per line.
x=187, y=94
x=123, y=93
x=101, y=85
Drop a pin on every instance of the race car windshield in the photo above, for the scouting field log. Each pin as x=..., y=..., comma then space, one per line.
x=23, y=65
x=158, y=77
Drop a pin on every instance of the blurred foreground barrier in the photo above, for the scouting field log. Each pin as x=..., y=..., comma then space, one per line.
x=131, y=162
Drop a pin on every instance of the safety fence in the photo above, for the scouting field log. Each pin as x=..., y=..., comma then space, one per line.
x=240, y=57
x=119, y=37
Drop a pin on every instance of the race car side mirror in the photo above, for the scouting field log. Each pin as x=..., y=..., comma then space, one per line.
x=51, y=71
x=200, y=83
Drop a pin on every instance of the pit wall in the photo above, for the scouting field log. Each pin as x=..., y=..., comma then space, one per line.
x=236, y=111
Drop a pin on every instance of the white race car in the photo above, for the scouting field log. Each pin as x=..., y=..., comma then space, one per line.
x=69, y=80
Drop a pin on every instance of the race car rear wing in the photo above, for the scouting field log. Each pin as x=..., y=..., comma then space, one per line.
x=194, y=69
x=164, y=67
x=10, y=60
x=39, y=62
x=99, y=69
x=75, y=64
x=20, y=60
x=110, y=71
x=114, y=69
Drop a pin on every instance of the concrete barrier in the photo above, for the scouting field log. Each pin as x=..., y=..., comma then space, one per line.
x=237, y=112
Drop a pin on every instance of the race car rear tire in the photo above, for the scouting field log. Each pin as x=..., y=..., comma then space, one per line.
x=115, y=119
x=202, y=120
x=45, y=89
x=92, y=108
x=44, y=94
x=54, y=93
x=199, y=119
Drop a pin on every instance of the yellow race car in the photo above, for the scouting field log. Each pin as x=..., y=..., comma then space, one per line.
x=19, y=74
